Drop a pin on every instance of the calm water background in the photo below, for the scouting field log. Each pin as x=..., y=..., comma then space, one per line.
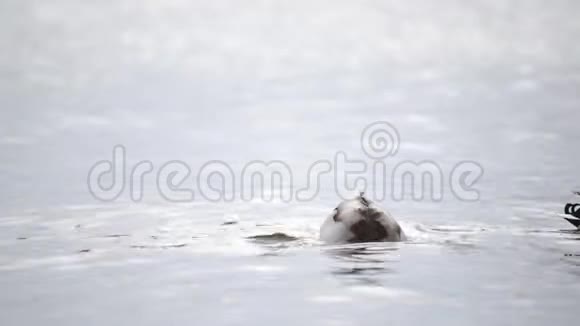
x=497, y=82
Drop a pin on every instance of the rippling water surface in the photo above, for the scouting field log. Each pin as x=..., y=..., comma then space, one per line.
x=492, y=82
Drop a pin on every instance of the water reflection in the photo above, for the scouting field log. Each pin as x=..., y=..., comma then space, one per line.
x=572, y=261
x=363, y=264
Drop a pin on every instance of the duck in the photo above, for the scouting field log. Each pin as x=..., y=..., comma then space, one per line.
x=360, y=220
x=572, y=212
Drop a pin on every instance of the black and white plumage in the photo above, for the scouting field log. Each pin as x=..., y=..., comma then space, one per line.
x=360, y=220
x=572, y=212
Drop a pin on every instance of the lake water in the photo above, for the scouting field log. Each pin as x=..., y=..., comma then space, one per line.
x=497, y=83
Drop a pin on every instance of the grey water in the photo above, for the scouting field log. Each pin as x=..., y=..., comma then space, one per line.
x=494, y=82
